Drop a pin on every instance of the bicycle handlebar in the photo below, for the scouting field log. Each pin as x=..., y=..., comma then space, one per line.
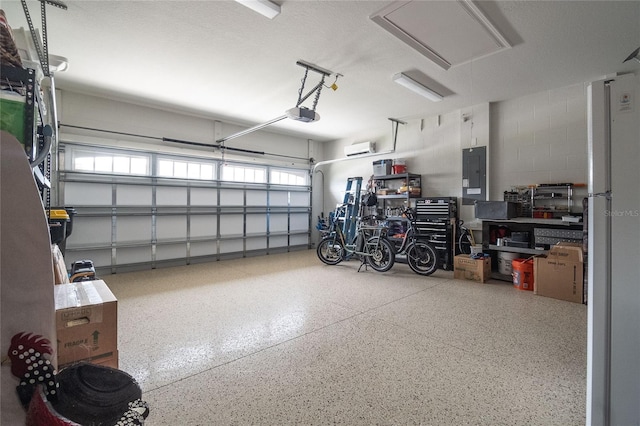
x=409, y=213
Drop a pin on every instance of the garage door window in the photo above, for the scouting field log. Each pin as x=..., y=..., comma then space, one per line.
x=239, y=173
x=181, y=169
x=289, y=177
x=105, y=162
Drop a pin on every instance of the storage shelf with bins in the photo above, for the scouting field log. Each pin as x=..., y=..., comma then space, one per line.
x=394, y=192
x=551, y=201
x=542, y=233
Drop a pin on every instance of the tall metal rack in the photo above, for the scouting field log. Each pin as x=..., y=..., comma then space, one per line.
x=22, y=81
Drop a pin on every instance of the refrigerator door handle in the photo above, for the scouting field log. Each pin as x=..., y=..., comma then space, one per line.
x=606, y=194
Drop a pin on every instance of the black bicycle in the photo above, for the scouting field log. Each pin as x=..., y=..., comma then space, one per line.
x=370, y=245
x=421, y=255
x=465, y=239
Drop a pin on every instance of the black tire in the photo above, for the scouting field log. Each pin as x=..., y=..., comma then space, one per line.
x=422, y=258
x=382, y=255
x=464, y=245
x=330, y=250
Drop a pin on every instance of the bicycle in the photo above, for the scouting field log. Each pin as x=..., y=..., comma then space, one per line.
x=370, y=244
x=421, y=255
x=465, y=239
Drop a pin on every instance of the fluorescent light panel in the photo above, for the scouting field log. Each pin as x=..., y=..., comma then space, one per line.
x=414, y=86
x=263, y=7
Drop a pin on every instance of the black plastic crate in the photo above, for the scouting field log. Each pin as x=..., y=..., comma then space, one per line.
x=496, y=209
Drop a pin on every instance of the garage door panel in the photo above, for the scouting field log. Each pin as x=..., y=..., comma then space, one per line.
x=256, y=198
x=256, y=224
x=129, y=255
x=204, y=226
x=256, y=244
x=88, y=194
x=204, y=248
x=278, y=222
x=231, y=246
x=299, y=240
x=171, y=251
x=231, y=197
x=171, y=227
x=279, y=199
x=299, y=199
x=279, y=241
x=204, y=196
x=90, y=230
x=132, y=195
x=133, y=228
x=299, y=222
x=231, y=224
x=100, y=257
x=171, y=196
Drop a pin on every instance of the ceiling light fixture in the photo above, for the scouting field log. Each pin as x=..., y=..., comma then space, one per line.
x=58, y=63
x=263, y=7
x=422, y=90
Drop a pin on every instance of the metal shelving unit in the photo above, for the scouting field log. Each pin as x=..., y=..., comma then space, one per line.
x=22, y=83
x=551, y=201
x=389, y=204
x=395, y=183
x=529, y=225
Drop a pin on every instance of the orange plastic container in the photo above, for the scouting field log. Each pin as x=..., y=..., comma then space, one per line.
x=522, y=274
x=399, y=166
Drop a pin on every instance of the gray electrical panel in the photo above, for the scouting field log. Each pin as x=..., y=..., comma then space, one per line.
x=474, y=174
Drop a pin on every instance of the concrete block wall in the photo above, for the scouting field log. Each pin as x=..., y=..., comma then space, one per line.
x=540, y=138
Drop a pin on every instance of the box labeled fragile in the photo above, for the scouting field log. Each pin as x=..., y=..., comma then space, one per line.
x=467, y=268
x=86, y=323
x=560, y=275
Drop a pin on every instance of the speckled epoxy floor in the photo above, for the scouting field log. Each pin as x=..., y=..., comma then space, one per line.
x=285, y=339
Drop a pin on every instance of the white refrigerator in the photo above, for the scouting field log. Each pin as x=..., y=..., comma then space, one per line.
x=613, y=352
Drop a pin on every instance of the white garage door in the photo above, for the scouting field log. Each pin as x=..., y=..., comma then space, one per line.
x=137, y=210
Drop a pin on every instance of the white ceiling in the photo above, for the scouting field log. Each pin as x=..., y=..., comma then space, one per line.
x=223, y=60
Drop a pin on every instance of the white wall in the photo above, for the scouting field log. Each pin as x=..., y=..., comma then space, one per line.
x=432, y=147
x=115, y=115
x=540, y=138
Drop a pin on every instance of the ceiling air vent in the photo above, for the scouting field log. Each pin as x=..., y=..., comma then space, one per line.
x=449, y=33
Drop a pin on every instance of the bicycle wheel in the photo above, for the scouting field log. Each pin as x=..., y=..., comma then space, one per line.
x=464, y=242
x=330, y=250
x=380, y=254
x=422, y=258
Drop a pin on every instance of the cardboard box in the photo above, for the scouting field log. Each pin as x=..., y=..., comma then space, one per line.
x=86, y=323
x=560, y=275
x=464, y=267
x=60, y=274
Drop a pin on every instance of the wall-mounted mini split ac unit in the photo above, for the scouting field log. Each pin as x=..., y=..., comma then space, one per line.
x=360, y=148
